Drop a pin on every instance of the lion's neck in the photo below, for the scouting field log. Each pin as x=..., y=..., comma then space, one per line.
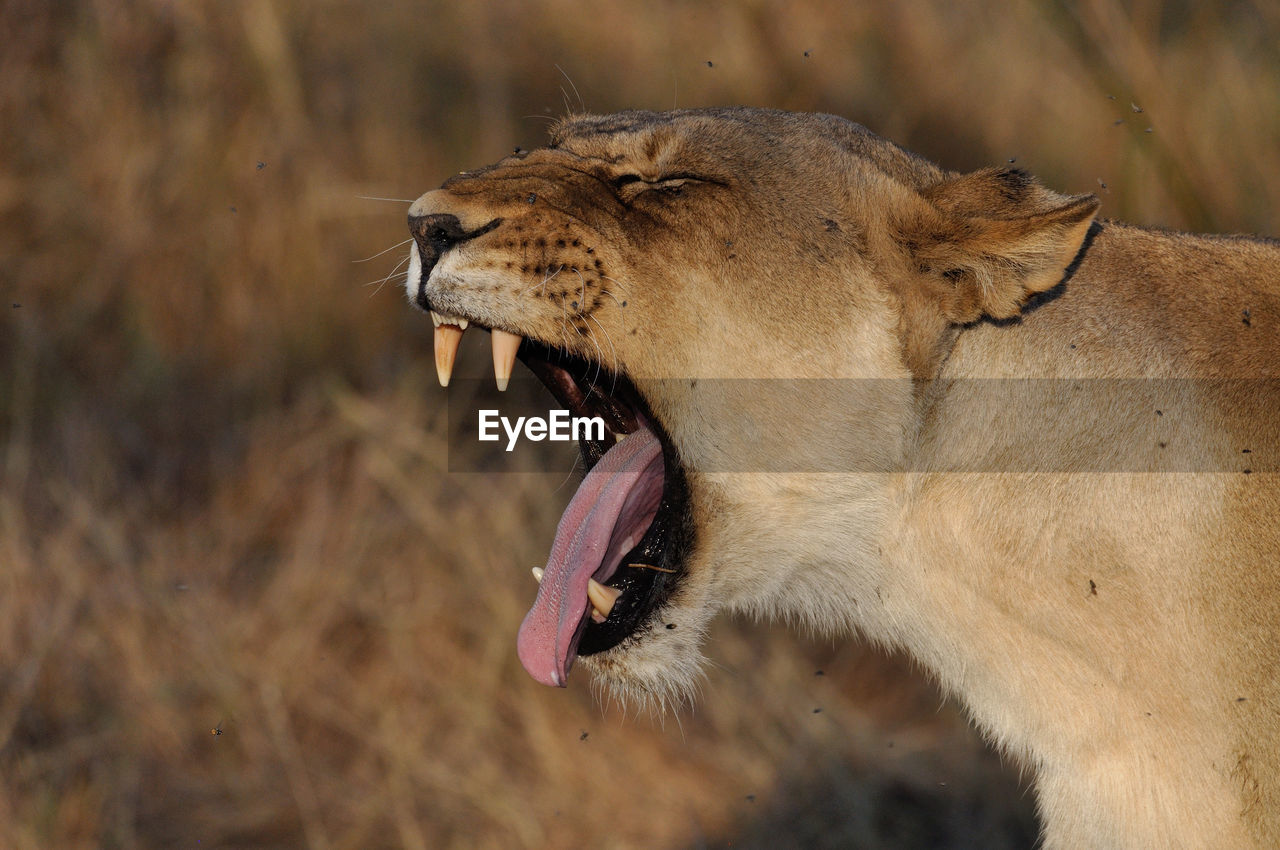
x=1057, y=605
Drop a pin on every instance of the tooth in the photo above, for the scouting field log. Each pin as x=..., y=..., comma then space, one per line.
x=602, y=598
x=537, y=573
x=504, y=356
x=618, y=438
x=596, y=616
x=447, y=339
x=439, y=319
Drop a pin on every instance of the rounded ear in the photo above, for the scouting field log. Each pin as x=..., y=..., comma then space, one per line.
x=988, y=240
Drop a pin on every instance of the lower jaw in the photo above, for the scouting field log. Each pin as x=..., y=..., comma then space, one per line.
x=646, y=575
x=643, y=578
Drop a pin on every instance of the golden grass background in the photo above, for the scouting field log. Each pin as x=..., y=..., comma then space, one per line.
x=223, y=497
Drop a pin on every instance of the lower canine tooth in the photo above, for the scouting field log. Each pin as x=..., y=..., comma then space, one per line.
x=537, y=573
x=504, y=356
x=447, y=339
x=602, y=597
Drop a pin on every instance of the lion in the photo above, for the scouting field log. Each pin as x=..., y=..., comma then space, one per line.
x=955, y=414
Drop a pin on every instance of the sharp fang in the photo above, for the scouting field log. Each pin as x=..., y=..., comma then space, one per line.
x=618, y=438
x=602, y=597
x=537, y=573
x=447, y=339
x=504, y=356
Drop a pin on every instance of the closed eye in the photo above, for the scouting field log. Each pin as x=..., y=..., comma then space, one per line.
x=682, y=178
x=669, y=183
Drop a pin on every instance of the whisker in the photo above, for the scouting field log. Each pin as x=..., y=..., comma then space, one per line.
x=380, y=253
x=384, y=279
x=559, y=269
x=613, y=371
x=600, y=362
x=545, y=281
x=576, y=460
x=609, y=339
x=392, y=200
x=626, y=289
x=679, y=725
x=582, y=104
x=564, y=326
x=383, y=282
x=604, y=291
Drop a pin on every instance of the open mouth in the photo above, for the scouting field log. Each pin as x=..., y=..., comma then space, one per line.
x=620, y=545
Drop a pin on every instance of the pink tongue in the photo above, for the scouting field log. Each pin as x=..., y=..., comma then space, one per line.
x=609, y=515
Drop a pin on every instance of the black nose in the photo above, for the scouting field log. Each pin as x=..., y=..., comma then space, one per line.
x=436, y=233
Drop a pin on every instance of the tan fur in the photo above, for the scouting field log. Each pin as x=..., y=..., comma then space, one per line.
x=1113, y=628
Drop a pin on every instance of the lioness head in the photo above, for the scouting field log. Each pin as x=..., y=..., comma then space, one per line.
x=747, y=297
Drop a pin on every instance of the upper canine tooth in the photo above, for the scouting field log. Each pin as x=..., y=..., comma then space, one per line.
x=436, y=319
x=537, y=573
x=504, y=356
x=447, y=338
x=602, y=597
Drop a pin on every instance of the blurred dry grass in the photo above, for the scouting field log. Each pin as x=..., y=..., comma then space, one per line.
x=223, y=500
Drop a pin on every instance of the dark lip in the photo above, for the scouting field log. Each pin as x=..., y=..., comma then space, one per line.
x=585, y=388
